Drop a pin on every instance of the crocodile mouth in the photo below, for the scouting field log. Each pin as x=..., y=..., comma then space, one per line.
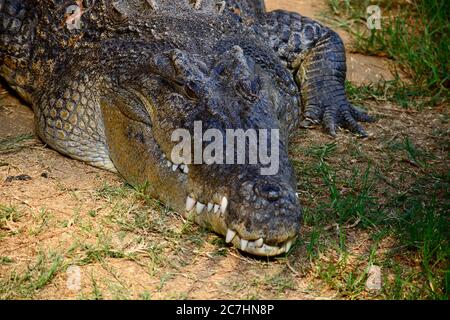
x=212, y=215
x=259, y=248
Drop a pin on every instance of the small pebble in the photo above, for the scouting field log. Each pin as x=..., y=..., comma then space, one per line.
x=373, y=282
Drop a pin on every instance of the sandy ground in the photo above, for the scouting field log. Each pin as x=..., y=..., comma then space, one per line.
x=64, y=212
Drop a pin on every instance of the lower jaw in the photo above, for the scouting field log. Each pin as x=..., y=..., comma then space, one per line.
x=264, y=250
x=216, y=223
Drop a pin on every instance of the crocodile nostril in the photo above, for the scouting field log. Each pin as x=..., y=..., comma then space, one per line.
x=271, y=192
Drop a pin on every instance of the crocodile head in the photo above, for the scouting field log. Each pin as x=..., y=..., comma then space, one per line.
x=255, y=209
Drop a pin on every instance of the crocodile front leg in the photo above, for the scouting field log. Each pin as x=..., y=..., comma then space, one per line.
x=316, y=56
x=69, y=119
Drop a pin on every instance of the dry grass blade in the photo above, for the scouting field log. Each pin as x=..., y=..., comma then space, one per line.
x=14, y=144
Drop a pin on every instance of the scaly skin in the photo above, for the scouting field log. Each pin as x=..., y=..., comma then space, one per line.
x=112, y=92
x=316, y=55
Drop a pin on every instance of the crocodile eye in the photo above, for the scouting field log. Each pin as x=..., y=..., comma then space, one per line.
x=249, y=90
x=190, y=93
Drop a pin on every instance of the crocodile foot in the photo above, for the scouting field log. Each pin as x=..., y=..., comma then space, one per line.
x=333, y=116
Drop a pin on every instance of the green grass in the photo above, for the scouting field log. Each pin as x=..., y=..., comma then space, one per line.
x=348, y=200
x=279, y=282
x=413, y=208
x=6, y=260
x=415, y=217
x=349, y=282
x=41, y=221
x=415, y=35
x=396, y=91
x=35, y=277
x=423, y=227
x=8, y=214
x=14, y=144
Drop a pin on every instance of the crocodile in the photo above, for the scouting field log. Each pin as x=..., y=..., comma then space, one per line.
x=110, y=80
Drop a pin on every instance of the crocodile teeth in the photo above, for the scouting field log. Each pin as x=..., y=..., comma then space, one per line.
x=259, y=243
x=174, y=167
x=230, y=235
x=190, y=203
x=210, y=206
x=169, y=164
x=185, y=169
x=288, y=246
x=244, y=244
x=216, y=208
x=296, y=194
x=224, y=204
x=200, y=207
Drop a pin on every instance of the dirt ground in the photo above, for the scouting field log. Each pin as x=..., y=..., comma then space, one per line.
x=70, y=214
